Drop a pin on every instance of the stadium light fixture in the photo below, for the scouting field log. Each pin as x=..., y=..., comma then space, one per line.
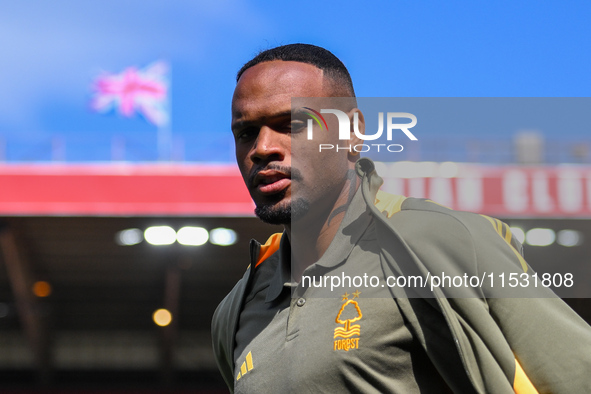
x=160, y=235
x=128, y=237
x=192, y=236
x=540, y=237
x=162, y=317
x=569, y=238
x=223, y=236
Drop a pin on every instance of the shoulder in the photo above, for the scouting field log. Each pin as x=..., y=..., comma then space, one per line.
x=431, y=218
x=431, y=229
x=414, y=216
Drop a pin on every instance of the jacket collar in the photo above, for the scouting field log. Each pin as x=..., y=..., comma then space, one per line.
x=282, y=277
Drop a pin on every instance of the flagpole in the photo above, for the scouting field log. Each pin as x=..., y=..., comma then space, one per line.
x=164, y=133
x=164, y=143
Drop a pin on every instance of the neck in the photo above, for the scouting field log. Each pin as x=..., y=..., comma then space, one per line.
x=316, y=231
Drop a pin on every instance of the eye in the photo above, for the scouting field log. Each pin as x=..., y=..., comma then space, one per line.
x=297, y=125
x=246, y=134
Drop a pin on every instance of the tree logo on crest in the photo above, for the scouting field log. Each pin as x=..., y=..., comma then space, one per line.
x=349, y=308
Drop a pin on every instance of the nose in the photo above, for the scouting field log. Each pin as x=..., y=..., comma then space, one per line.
x=269, y=145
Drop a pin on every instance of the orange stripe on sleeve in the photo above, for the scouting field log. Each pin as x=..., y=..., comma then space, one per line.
x=499, y=227
x=269, y=248
x=522, y=384
x=490, y=220
x=508, y=234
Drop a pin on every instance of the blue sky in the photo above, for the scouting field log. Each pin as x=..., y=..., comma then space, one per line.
x=52, y=50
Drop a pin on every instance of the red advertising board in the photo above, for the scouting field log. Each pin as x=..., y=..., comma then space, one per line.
x=130, y=190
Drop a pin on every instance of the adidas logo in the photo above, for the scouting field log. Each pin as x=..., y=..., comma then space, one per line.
x=246, y=366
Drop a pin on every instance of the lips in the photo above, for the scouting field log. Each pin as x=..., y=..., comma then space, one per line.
x=270, y=182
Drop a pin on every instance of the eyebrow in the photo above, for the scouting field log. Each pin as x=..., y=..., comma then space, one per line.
x=246, y=123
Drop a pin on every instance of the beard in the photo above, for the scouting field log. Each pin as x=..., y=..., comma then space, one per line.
x=275, y=211
x=282, y=213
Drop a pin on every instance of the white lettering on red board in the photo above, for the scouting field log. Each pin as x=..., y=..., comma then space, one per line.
x=528, y=191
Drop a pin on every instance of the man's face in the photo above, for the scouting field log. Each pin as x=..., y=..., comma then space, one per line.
x=281, y=185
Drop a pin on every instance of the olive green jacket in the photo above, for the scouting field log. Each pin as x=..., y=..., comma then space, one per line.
x=503, y=344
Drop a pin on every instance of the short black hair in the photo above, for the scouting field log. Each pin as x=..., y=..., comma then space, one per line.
x=311, y=54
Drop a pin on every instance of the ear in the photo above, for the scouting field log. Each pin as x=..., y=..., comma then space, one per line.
x=358, y=126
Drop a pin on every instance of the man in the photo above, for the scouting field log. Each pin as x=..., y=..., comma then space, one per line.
x=275, y=333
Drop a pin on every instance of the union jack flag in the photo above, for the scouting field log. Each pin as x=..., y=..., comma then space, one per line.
x=142, y=90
